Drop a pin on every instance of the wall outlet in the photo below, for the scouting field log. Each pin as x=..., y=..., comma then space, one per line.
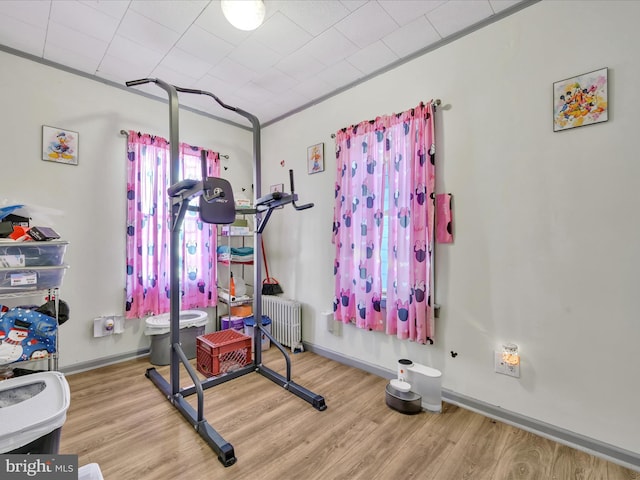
x=504, y=368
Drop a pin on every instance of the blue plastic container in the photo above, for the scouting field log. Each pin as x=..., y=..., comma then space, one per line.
x=250, y=322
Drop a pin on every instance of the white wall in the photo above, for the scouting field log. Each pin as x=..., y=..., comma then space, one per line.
x=546, y=227
x=86, y=203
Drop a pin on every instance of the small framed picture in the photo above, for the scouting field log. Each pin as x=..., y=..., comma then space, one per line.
x=315, y=158
x=580, y=100
x=59, y=145
x=278, y=187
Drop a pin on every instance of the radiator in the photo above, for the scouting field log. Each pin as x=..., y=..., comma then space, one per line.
x=285, y=321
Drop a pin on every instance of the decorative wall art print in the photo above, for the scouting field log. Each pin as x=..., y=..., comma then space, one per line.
x=278, y=187
x=580, y=100
x=59, y=145
x=315, y=158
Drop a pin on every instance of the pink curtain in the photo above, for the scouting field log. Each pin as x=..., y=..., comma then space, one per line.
x=148, y=230
x=398, y=149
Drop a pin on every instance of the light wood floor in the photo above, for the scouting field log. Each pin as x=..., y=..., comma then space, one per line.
x=121, y=421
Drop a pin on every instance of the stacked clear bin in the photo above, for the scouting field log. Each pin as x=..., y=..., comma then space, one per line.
x=28, y=269
x=26, y=266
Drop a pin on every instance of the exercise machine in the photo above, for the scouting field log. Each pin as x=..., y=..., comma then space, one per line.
x=216, y=205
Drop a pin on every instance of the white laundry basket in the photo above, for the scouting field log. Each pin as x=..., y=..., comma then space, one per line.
x=192, y=323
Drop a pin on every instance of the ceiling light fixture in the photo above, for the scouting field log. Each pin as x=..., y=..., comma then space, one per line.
x=244, y=14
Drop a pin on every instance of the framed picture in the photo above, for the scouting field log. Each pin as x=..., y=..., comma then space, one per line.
x=59, y=145
x=315, y=158
x=581, y=100
x=279, y=187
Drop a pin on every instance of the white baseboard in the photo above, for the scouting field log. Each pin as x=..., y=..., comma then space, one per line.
x=625, y=458
x=103, y=362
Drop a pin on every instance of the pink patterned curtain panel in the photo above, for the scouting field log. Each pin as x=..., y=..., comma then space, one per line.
x=148, y=230
x=396, y=154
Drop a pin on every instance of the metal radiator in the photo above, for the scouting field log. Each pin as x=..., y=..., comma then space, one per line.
x=285, y=321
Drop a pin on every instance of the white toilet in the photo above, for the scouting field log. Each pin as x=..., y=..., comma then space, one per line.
x=192, y=323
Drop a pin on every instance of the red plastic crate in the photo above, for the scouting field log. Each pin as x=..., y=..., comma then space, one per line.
x=222, y=352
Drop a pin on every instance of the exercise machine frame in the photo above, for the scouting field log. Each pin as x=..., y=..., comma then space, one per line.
x=181, y=192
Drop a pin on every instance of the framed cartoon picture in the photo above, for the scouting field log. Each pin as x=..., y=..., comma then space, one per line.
x=278, y=187
x=315, y=158
x=59, y=145
x=580, y=100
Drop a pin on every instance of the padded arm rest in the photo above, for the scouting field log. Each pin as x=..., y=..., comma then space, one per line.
x=176, y=189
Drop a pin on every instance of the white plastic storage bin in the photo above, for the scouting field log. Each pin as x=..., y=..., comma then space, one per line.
x=32, y=254
x=192, y=323
x=33, y=409
x=31, y=278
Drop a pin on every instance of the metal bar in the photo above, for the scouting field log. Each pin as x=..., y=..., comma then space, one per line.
x=317, y=401
x=281, y=348
x=213, y=381
x=223, y=449
x=194, y=376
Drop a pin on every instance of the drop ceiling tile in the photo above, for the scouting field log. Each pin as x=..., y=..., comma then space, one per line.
x=74, y=41
x=204, y=45
x=217, y=87
x=168, y=75
x=281, y=34
x=274, y=81
x=456, y=15
x=181, y=61
x=290, y=101
x=253, y=93
x=120, y=71
x=32, y=13
x=313, y=87
x=132, y=52
x=500, y=5
x=22, y=36
x=406, y=11
x=300, y=65
x=340, y=74
x=412, y=37
x=314, y=17
x=62, y=55
x=353, y=4
x=255, y=56
x=113, y=8
x=213, y=21
x=177, y=16
x=330, y=47
x=372, y=58
x=146, y=32
x=232, y=72
x=367, y=24
x=82, y=18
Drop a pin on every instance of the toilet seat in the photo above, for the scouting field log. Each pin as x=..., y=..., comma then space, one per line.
x=159, y=324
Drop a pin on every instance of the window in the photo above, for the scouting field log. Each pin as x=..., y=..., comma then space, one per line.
x=148, y=230
x=383, y=217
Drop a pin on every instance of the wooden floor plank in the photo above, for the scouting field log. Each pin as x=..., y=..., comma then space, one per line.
x=120, y=420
